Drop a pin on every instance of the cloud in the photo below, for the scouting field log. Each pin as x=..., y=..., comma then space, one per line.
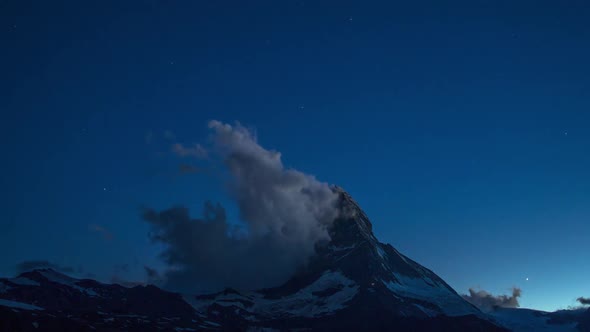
x=488, y=302
x=42, y=264
x=106, y=234
x=583, y=300
x=285, y=213
x=196, y=150
x=153, y=276
x=151, y=273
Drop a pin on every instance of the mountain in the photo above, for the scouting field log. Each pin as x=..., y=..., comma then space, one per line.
x=354, y=282
x=524, y=320
x=45, y=300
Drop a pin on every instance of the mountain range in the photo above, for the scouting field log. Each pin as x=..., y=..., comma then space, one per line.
x=352, y=283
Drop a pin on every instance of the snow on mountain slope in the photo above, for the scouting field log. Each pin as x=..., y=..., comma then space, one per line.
x=4, y=287
x=63, y=279
x=24, y=281
x=18, y=305
x=330, y=292
x=327, y=294
x=527, y=320
x=62, y=303
x=375, y=266
x=426, y=289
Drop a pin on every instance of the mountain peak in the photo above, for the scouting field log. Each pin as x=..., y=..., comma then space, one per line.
x=352, y=225
x=353, y=278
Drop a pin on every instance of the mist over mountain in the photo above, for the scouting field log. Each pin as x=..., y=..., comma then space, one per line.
x=285, y=214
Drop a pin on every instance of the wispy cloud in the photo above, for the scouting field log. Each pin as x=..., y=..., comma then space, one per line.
x=488, y=302
x=195, y=150
x=286, y=213
x=153, y=276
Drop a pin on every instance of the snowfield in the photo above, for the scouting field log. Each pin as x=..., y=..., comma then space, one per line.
x=526, y=320
x=428, y=290
x=24, y=281
x=305, y=304
x=4, y=287
x=19, y=305
x=67, y=281
x=310, y=301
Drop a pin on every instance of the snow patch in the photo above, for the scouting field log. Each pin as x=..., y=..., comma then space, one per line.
x=18, y=305
x=24, y=281
x=428, y=290
x=304, y=303
x=380, y=251
x=262, y=329
x=224, y=300
x=428, y=312
x=525, y=320
x=342, y=248
x=307, y=302
x=67, y=281
x=4, y=287
x=131, y=316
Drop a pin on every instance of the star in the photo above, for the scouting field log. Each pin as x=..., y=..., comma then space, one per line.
x=104, y=189
x=527, y=279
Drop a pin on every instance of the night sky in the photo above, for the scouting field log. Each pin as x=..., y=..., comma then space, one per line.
x=462, y=130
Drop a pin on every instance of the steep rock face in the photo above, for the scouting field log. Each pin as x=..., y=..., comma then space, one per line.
x=378, y=270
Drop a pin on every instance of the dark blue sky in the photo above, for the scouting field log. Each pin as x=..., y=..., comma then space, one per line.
x=463, y=130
